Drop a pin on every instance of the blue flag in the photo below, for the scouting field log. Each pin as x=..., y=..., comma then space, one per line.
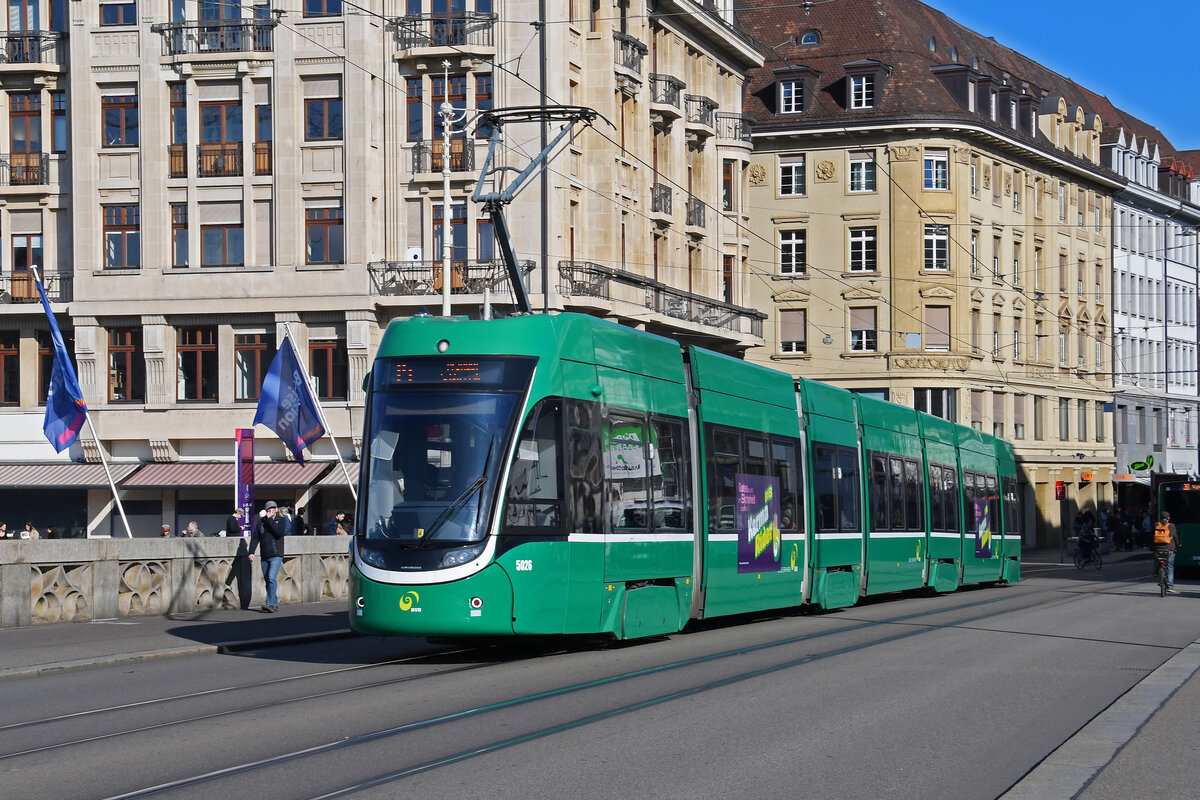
x=65, y=409
x=287, y=405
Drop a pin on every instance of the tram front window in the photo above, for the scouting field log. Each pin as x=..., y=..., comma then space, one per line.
x=434, y=456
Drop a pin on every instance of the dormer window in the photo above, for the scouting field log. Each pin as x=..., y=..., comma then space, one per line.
x=862, y=91
x=954, y=54
x=931, y=43
x=791, y=97
x=809, y=39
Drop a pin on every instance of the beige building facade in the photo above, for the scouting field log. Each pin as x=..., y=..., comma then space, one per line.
x=198, y=180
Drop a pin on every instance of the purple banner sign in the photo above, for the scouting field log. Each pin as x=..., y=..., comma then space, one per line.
x=758, y=523
x=245, y=477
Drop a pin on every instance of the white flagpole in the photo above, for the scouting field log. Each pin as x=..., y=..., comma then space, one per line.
x=99, y=447
x=324, y=424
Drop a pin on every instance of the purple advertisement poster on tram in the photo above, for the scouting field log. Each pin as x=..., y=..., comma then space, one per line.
x=983, y=529
x=758, y=523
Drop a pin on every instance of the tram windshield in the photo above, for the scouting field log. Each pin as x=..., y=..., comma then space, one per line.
x=438, y=429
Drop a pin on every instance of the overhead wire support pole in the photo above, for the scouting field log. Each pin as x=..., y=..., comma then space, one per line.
x=494, y=202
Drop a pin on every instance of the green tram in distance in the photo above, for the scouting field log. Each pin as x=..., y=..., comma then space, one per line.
x=1182, y=500
x=561, y=474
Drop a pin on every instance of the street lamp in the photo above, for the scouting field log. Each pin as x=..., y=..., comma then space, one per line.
x=449, y=117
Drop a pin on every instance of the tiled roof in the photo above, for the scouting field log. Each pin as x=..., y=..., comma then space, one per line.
x=899, y=33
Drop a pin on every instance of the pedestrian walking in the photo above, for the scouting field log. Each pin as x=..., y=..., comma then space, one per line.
x=268, y=540
x=299, y=525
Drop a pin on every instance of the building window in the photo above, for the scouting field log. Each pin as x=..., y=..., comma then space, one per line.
x=793, y=252
x=1018, y=188
x=179, y=234
x=1039, y=414
x=322, y=8
x=252, y=354
x=222, y=246
x=727, y=184
x=791, y=97
x=330, y=366
x=126, y=366
x=974, y=252
x=862, y=249
x=938, y=402
x=46, y=360
x=975, y=331
x=483, y=102
x=1019, y=416
x=122, y=244
x=793, y=331
x=1016, y=339
x=1100, y=425
x=416, y=109
x=995, y=335
x=937, y=329
x=1081, y=421
x=862, y=91
x=937, y=248
x=937, y=169
x=10, y=368
x=196, y=357
x=977, y=409
x=974, y=176
x=58, y=122
x=862, y=172
x=322, y=118
x=791, y=177
x=118, y=13
x=863, y=334
x=1062, y=202
x=1064, y=419
x=120, y=115
x=998, y=415
x=324, y=235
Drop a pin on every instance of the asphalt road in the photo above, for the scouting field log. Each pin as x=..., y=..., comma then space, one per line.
x=954, y=696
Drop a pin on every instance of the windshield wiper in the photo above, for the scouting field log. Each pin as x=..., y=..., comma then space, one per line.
x=459, y=501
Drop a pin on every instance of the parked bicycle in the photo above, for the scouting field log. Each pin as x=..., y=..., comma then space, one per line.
x=1087, y=551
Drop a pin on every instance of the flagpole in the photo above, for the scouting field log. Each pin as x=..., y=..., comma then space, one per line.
x=287, y=328
x=99, y=447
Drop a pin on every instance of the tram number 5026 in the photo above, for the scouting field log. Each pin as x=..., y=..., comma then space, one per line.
x=524, y=565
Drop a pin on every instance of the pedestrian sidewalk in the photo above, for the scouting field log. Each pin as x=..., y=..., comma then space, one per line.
x=41, y=649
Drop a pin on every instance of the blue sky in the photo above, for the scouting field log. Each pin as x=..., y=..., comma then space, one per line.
x=1141, y=55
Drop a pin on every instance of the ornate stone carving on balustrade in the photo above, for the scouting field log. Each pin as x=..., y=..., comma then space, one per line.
x=60, y=592
x=214, y=586
x=333, y=577
x=145, y=588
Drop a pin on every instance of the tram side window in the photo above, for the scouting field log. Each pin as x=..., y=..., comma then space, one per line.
x=950, y=492
x=897, y=493
x=848, y=489
x=913, y=492
x=723, y=463
x=534, y=484
x=937, y=519
x=1010, y=506
x=993, y=498
x=791, y=505
x=877, y=492
x=585, y=465
x=969, y=496
x=625, y=471
x=669, y=476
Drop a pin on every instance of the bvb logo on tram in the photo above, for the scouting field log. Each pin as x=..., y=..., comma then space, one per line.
x=408, y=600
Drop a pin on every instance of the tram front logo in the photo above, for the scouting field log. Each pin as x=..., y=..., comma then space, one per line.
x=408, y=602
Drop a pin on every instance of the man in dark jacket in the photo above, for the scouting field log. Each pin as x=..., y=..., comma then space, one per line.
x=269, y=536
x=299, y=526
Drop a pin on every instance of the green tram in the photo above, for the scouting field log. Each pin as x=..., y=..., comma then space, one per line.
x=560, y=474
x=1182, y=500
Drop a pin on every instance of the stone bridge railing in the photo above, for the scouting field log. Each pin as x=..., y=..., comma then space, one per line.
x=73, y=580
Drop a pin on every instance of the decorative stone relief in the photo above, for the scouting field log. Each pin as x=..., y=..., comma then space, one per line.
x=987, y=179
x=757, y=175
x=60, y=593
x=930, y=362
x=334, y=576
x=212, y=583
x=906, y=153
x=826, y=172
x=288, y=588
x=144, y=589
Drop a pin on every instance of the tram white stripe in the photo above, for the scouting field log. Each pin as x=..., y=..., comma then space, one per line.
x=625, y=538
x=896, y=535
x=831, y=536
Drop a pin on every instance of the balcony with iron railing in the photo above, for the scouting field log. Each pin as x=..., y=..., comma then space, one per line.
x=216, y=37
x=429, y=156
x=468, y=31
x=419, y=279
x=660, y=202
x=665, y=94
x=695, y=215
x=19, y=287
x=24, y=169
x=700, y=113
x=733, y=128
x=629, y=54
x=264, y=158
x=23, y=49
x=583, y=280
x=223, y=160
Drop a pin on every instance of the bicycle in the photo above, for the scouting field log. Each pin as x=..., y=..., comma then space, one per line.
x=1160, y=570
x=1093, y=556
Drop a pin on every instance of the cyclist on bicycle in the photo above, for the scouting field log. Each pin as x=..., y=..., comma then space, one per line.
x=1087, y=542
x=1166, y=537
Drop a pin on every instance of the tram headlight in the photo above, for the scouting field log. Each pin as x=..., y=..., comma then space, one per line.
x=453, y=558
x=372, y=557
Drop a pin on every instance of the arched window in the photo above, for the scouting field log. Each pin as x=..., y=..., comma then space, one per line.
x=809, y=39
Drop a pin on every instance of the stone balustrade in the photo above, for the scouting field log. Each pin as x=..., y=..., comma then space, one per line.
x=73, y=580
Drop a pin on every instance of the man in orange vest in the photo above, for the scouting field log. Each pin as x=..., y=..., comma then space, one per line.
x=1167, y=537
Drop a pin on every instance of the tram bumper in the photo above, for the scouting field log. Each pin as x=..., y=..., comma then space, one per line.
x=481, y=605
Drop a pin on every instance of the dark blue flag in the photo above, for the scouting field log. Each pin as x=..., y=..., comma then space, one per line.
x=65, y=409
x=287, y=405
